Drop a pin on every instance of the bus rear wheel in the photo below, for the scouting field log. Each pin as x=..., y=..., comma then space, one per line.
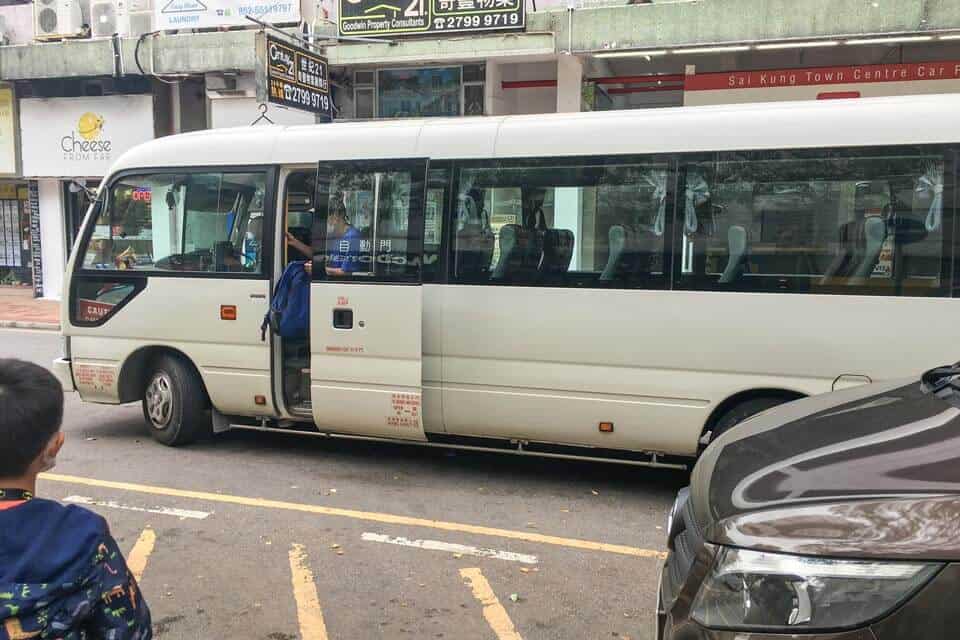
x=174, y=404
x=740, y=412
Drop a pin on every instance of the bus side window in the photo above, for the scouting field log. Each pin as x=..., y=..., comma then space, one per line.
x=438, y=189
x=199, y=222
x=558, y=222
x=830, y=221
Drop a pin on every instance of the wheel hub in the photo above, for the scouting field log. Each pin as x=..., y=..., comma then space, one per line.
x=159, y=397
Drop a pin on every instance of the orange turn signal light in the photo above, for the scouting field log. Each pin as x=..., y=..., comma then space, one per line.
x=228, y=312
x=260, y=400
x=606, y=427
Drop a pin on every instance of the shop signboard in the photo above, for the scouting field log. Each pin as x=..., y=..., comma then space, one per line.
x=428, y=17
x=297, y=78
x=71, y=137
x=822, y=83
x=8, y=132
x=204, y=14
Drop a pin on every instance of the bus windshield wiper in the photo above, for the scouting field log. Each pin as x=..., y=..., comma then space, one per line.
x=940, y=379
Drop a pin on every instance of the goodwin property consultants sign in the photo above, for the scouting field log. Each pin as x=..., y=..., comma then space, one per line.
x=75, y=137
x=428, y=17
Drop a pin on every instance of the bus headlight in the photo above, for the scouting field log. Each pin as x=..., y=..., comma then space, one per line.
x=749, y=590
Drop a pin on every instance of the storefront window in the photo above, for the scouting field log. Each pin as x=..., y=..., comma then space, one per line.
x=406, y=93
x=14, y=235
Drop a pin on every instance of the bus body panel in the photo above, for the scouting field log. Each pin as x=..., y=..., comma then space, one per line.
x=366, y=379
x=551, y=364
x=184, y=314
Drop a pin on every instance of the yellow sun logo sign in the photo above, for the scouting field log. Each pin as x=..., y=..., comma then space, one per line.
x=90, y=126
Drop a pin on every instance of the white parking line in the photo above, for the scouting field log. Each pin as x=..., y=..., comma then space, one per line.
x=183, y=514
x=436, y=545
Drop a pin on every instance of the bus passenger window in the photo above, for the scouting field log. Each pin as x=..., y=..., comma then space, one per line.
x=561, y=223
x=202, y=222
x=372, y=228
x=856, y=222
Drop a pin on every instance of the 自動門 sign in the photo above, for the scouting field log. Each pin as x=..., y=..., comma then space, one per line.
x=428, y=17
x=297, y=78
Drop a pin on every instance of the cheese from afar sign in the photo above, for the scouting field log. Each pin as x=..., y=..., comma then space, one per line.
x=68, y=137
x=428, y=17
x=297, y=78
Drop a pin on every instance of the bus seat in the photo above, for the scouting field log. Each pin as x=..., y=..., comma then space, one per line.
x=737, y=243
x=874, y=234
x=557, y=252
x=474, y=251
x=519, y=254
x=619, y=239
x=841, y=262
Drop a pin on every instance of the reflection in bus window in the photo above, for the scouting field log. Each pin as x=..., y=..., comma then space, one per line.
x=810, y=221
x=561, y=223
x=206, y=222
x=368, y=225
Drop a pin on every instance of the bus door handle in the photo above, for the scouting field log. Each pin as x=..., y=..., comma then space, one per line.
x=343, y=318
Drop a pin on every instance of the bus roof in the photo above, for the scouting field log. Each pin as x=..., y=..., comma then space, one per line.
x=771, y=125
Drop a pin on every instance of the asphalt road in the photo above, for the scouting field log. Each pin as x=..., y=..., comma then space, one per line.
x=277, y=537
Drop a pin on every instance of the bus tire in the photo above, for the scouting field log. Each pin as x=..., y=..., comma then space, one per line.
x=742, y=411
x=175, y=405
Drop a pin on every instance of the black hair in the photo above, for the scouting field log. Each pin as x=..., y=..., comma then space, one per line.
x=31, y=410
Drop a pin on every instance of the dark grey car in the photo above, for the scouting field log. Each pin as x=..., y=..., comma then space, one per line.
x=834, y=517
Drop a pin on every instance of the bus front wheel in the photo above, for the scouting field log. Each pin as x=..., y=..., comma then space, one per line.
x=174, y=404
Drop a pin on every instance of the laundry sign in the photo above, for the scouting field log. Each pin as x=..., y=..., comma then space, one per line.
x=201, y=14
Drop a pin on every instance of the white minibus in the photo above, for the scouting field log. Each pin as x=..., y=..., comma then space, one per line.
x=620, y=286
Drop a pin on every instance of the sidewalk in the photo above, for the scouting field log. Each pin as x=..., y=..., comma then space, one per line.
x=18, y=308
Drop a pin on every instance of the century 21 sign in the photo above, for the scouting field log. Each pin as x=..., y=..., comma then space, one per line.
x=296, y=77
x=428, y=17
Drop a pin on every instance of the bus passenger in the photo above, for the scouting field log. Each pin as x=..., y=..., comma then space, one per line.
x=344, y=241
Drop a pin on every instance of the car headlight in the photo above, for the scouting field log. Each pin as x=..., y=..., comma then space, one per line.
x=748, y=590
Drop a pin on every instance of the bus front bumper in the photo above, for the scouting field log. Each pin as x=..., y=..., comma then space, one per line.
x=61, y=369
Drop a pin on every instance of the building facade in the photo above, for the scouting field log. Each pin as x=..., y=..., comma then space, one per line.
x=109, y=76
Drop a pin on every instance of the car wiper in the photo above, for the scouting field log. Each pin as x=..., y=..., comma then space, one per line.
x=942, y=379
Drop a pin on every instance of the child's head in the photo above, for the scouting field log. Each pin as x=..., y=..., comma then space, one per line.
x=31, y=409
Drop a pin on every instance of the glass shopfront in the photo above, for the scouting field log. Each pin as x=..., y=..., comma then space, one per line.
x=420, y=92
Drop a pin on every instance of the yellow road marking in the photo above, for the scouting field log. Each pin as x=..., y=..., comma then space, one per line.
x=309, y=613
x=137, y=560
x=385, y=518
x=493, y=612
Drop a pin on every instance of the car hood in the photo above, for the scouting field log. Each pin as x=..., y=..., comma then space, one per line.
x=868, y=471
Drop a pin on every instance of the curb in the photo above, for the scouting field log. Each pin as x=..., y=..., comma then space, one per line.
x=20, y=324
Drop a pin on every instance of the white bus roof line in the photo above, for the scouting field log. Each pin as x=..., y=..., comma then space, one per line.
x=926, y=119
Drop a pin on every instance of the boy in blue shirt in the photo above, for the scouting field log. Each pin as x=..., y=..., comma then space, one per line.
x=61, y=573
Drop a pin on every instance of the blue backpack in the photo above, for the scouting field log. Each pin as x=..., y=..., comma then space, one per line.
x=289, y=314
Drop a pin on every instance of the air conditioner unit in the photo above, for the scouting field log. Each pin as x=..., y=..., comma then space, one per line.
x=108, y=17
x=137, y=6
x=16, y=22
x=55, y=19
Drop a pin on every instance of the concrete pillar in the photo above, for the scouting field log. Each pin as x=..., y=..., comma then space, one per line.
x=493, y=98
x=53, y=242
x=569, y=83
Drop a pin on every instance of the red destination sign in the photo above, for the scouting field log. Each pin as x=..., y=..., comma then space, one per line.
x=866, y=73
